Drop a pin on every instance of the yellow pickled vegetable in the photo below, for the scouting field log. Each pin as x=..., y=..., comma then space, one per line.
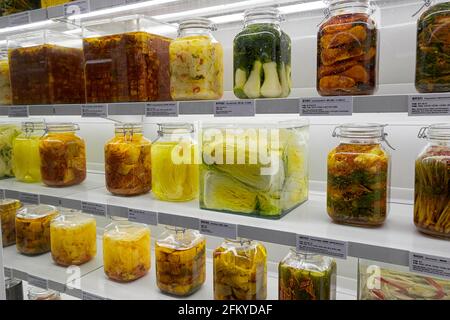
x=5, y=84
x=26, y=159
x=8, y=210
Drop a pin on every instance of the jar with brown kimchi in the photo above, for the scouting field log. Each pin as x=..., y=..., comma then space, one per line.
x=63, y=155
x=347, y=50
x=128, y=161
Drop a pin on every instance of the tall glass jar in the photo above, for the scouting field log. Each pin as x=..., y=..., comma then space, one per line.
x=358, y=176
x=175, y=166
x=63, y=155
x=8, y=211
x=433, y=48
x=73, y=238
x=26, y=157
x=262, y=51
x=8, y=132
x=180, y=261
x=5, y=83
x=240, y=270
x=347, y=50
x=432, y=186
x=126, y=250
x=128, y=161
x=33, y=228
x=307, y=276
x=196, y=62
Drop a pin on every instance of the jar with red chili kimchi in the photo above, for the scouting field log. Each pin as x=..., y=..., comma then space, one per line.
x=347, y=50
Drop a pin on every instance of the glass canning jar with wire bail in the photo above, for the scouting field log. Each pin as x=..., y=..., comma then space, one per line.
x=358, y=175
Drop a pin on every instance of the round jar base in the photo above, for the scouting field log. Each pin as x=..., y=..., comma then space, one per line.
x=432, y=233
x=357, y=223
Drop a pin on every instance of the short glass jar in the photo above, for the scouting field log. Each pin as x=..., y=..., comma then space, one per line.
x=33, y=228
x=262, y=51
x=175, y=164
x=180, y=261
x=73, y=238
x=126, y=250
x=63, y=155
x=26, y=157
x=432, y=182
x=307, y=276
x=8, y=211
x=358, y=176
x=196, y=62
x=240, y=270
x=128, y=166
x=35, y=293
x=347, y=50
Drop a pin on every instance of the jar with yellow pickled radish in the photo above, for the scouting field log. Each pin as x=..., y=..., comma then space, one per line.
x=33, y=228
x=128, y=161
x=5, y=83
x=126, y=250
x=180, y=261
x=8, y=211
x=240, y=270
x=63, y=155
x=196, y=62
x=175, y=163
x=73, y=238
x=26, y=157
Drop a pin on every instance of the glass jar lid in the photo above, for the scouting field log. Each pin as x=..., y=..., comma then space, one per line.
x=262, y=15
x=32, y=126
x=175, y=128
x=439, y=132
x=62, y=127
x=72, y=218
x=196, y=23
x=360, y=131
x=36, y=211
x=128, y=128
x=180, y=238
x=126, y=230
x=9, y=204
x=35, y=293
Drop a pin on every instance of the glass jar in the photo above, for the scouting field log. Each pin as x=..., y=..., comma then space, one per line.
x=307, y=276
x=262, y=51
x=175, y=169
x=240, y=270
x=433, y=47
x=347, y=50
x=40, y=62
x=128, y=167
x=180, y=261
x=33, y=229
x=35, y=293
x=52, y=3
x=8, y=132
x=63, y=155
x=124, y=63
x=432, y=182
x=8, y=211
x=73, y=238
x=26, y=158
x=11, y=7
x=126, y=250
x=5, y=83
x=196, y=62
x=358, y=176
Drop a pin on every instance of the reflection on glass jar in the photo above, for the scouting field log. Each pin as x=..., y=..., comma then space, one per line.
x=8, y=211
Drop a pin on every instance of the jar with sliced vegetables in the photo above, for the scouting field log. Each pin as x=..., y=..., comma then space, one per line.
x=5, y=82
x=347, y=50
x=180, y=261
x=432, y=182
x=128, y=161
x=240, y=270
x=126, y=250
x=262, y=57
x=33, y=228
x=196, y=62
x=8, y=132
x=73, y=238
x=358, y=176
x=8, y=211
x=307, y=276
x=433, y=48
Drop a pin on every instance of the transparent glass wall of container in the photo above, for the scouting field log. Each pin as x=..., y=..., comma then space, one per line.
x=5, y=83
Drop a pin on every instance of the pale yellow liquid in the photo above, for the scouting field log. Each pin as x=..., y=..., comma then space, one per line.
x=26, y=159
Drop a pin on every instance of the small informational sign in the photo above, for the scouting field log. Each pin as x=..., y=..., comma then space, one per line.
x=19, y=19
x=76, y=7
x=429, y=105
x=218, y=229
x=429, y=265
x=235, y=108
x=97, y=209
x=94, y=110
x=327, y=247
x=326, y=106
x=50, y=200
x=30, y=198
x=37, y=281
x=18, y=112
x=162, y=109
x=142, y=216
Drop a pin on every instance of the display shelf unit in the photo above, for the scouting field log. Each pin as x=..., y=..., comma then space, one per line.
x=391, y=243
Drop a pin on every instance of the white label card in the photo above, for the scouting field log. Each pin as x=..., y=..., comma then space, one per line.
x=142, y=216
x=19, y=19
x=30, y=198
x=76, y=7
x=218, y=229
x=91, y=296
x=19, y=112
x=327, y=247
x=326, y=106
x=235, y=108
x=37, y=281
x=96, y=209
x=162, y=109
x=94, y=110
x=429, y=265
x=429, y=105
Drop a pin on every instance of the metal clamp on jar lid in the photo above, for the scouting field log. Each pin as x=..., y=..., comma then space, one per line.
x=30, y=127
x=262, y=15
x=362, y=131
x=196, y=23
x=175, y=128
x=62, y=127
x=128, y=128
x=439, y=132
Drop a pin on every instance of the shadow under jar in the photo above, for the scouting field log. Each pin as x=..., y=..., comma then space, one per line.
x=432, y=182
x=358, y=176
x=128, y=161
x=347, y=50
x=63, y=155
